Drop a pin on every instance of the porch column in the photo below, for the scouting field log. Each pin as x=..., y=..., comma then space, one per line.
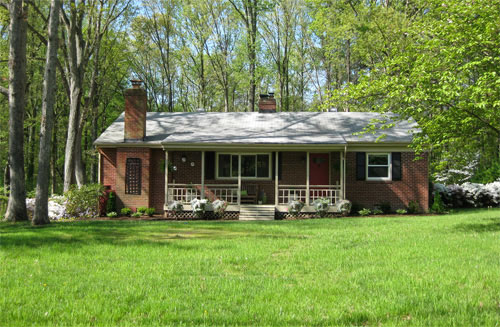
x=99, y=166
x=166, y=179
x=239, y=179
x=344, y=171
x=276, y=186
x=341, y=175
x=308, y=194
x=202, y=174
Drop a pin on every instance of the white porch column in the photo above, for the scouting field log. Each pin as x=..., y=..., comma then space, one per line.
x=344, y=170
x=342, y=175
x=239, y=179
x=99, y=166
x=276, y=182
x=166, y=179
x=202, y=174
x=308, y=194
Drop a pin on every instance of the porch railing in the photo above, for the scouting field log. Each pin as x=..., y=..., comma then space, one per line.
x=187, y=192
x=287, y=193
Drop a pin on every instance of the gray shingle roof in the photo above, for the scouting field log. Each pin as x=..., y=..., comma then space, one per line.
x=255, y=128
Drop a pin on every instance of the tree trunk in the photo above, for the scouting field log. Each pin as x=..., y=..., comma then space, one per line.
x=41, y=214
x=16, y=208
x=6, y=180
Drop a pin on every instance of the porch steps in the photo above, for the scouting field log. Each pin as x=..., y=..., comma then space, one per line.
x=257, y=212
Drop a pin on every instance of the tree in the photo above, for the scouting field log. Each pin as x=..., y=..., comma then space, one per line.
x=16, y=208
x=40, y=216
x=444, y=75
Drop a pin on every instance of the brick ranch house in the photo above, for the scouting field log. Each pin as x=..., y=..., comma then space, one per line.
x=256, y=159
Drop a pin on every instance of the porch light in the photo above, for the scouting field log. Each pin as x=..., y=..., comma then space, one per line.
x=192, y=163
x=183, y=158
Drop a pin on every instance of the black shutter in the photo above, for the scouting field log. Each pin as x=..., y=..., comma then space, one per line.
x=209, y=165
x=396, y=166
x=360, y=166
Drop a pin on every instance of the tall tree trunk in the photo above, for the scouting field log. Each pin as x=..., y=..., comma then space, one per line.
x=6, y=180
x=16, y=208
x=80, y=174
x=41, y=214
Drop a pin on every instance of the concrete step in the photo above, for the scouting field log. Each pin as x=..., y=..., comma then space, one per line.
x=257, y=212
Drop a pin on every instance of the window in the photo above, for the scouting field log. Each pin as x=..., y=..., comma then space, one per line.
x=252, y=165
x=133, y=176
x=378, y=166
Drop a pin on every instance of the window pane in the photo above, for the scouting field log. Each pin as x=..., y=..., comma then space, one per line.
x=234, y=165
x=378, y=159
x=262, y=165
x=378, y=172
x=224, y=165
x=248, y=166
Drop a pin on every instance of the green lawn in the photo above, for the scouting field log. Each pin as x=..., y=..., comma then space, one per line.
x=433, y=271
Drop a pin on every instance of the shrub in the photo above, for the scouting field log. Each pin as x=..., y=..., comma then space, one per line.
x=294, y=207
x=126, y=211
x=111, y=204
x=3, y=205
x=219, y=207
x=136, y=214
x=413, y=207
x=377, y=212
x=321, y=206
x=385, y=207
x=176, y=206
x=199, y=207
x=401, y=211
x=469, y=194
x=438, y=205
x=364, y=212
x=112, y=214
x=142, y=210
x=84, y=201
x=150, y=212
x=344, y=207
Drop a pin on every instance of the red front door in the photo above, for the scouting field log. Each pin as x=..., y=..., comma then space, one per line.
x=318, y=169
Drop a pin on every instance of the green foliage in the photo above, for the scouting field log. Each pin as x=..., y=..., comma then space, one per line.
x=385, y=207
x=126, y=211
x=136, y=214
x=321, y=206
x=150, y=212
x=142, y=210
x=401, y=211
x=111, y=204
x=377, y=212
x=112, y=214
x=413, y=207
x=488, y=175
x=3, y=205
x=84, y=201
x=364, y=212
x=438, y=205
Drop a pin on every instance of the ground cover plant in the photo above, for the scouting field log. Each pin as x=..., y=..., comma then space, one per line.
x=402, y=270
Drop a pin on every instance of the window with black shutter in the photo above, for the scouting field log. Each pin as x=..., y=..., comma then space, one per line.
x=133, y=176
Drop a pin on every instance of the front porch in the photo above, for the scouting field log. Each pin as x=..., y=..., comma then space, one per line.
x=293, y=175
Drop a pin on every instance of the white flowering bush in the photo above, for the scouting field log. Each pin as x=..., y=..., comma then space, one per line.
x=199, y=207
x=470, y=194
x=219, y=207
x=344, y=207
x=176, y=206
x=57, y=207
x=321, y=206
x=295, y=206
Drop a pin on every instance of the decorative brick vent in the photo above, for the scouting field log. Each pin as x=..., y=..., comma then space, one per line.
x=133, y=176
x=209, y=215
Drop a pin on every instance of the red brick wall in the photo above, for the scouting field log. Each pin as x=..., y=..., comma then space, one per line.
x=131, y=200
x=108, y=167
x=157, y=180
x=414, y=185
x=136, y=106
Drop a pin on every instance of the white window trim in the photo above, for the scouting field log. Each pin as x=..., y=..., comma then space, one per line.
x=269, y=154
x=389, y=166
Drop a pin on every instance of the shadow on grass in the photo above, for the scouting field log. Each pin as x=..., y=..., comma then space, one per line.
x=490, y=225
x=68, y=235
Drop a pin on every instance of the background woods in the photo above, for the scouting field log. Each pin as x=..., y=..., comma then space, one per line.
x=432, y=61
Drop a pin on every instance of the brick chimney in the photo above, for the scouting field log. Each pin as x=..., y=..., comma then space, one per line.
x=267, y=103
x=136, y=106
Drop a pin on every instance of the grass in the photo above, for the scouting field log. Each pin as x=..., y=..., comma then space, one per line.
x=432, y=271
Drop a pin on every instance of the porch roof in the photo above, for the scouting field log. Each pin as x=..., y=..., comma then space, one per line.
x=293, y=128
